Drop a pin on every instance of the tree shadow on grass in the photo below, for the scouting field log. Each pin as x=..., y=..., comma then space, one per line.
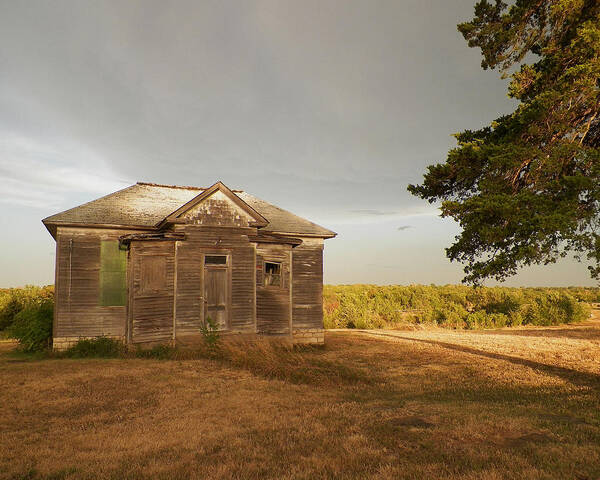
x=585, y=333
x=584, y=379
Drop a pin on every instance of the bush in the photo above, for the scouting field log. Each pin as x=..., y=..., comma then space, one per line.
x=14, y=300
x=32, y=326
x=101, y=347
x=9, y=311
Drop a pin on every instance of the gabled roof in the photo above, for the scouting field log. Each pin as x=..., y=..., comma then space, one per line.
x=147, y=206
x=259, y=220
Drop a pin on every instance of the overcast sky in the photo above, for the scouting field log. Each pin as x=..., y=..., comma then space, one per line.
x=328, y=109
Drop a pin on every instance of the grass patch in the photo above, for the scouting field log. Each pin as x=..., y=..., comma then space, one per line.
x=297, y=364
x=274, y=359
x=361, y=407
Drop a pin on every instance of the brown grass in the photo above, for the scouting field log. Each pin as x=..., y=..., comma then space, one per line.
x=502, y=404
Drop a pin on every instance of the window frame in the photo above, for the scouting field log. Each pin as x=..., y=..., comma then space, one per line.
x=223, y=265
x=270, y=275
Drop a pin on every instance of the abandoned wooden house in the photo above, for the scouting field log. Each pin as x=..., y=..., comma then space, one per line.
x=150, y=263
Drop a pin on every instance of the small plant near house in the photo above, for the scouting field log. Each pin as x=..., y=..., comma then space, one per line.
x=210, y=333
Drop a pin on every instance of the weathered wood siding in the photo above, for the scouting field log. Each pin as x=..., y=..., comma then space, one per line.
x=273, y=302
x=307, y=284
x=151, y=286
x=203, y=240
x=217, y=210
x=77, y=308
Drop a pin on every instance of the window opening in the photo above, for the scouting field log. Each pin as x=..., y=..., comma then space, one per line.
x=273, y=274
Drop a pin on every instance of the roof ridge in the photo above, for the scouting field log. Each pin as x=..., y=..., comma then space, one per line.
x=150, y=184
x=182, y=187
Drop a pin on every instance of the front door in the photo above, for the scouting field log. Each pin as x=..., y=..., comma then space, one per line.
x=216, y=289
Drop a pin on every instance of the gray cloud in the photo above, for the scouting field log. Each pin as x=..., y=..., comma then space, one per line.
x=270, y=96
x=326, y=108
x=405, y=227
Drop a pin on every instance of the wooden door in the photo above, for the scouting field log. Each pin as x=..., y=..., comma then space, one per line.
x=152, y=293
x=216, y=289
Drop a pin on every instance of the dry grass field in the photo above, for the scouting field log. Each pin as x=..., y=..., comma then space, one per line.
x=388, y=404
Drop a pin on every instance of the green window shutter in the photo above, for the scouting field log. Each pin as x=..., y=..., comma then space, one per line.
x=113, y=274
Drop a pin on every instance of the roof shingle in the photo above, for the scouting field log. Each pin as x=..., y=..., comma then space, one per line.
x=146, y=205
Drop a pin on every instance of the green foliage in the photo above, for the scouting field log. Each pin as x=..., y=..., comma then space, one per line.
x=526, y=189
x=101, y=347
x=13, y=300
x=32, y=326
x=452, y=306
x=210, y=333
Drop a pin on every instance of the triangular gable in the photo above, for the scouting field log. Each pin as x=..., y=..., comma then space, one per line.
x=213, y=202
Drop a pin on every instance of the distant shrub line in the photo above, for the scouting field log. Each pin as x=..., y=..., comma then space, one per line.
x=26, y=313
x=453, y=306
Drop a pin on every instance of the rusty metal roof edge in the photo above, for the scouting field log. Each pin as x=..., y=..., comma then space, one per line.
x=165, y=236
x=118, y=226
x=270, y=238
x=296, y=234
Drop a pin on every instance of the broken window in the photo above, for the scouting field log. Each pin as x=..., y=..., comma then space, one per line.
x=113, y=274
x=273, y=274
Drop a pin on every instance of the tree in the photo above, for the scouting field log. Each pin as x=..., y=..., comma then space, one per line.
x=525, y=189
